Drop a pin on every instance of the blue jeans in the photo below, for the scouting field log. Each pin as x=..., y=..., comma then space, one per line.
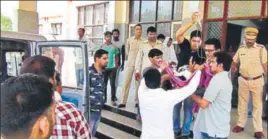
x=188, y=117
x=94, y=121
x=79, y=76
x=206, y=136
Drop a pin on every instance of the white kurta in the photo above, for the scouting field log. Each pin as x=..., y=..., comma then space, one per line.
x=156, y=108
x=170, y=52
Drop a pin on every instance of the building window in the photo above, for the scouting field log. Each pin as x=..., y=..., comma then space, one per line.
x=160, y=14
x=56, y=28
x=164, y=10
x=148, y=11
x=94, y=18
x=135, y=11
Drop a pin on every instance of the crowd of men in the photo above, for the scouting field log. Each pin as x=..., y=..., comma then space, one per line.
x=197, y=78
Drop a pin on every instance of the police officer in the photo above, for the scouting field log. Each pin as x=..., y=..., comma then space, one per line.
x=252, y=60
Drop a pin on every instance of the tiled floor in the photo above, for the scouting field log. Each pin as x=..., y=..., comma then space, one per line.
x=247, y=134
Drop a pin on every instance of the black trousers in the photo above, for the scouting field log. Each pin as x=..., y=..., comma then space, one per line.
x=110, y=74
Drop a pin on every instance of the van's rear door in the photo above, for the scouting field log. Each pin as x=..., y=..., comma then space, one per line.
x=72, y=63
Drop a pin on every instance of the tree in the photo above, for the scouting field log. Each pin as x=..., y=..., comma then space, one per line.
x=6, y=23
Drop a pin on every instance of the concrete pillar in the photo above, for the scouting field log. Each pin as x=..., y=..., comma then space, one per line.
x=27, y=17
x=121, y=18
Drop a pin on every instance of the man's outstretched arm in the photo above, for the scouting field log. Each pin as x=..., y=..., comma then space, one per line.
x=177, y=95
x=203, y=103
x=180, y=32
x=210, y=94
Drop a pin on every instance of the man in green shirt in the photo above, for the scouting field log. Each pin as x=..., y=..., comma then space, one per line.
x=113, y=64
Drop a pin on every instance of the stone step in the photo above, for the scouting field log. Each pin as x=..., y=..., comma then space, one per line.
x=105, y=131
x=123, y=112
x=120, y=122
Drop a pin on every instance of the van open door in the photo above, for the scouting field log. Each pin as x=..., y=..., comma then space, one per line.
x=72, y=63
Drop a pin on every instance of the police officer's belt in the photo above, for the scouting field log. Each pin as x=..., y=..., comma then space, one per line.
x=251, y=78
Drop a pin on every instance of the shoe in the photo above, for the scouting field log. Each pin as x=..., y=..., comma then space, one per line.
x=177, y=135
x=114, y=99
x=184, y=137
x=259, y=135
x=191, y=134
x=121, y=105
x=238, y=129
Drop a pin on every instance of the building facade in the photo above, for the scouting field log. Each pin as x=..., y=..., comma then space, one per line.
x=99, y=16
x=167, y=16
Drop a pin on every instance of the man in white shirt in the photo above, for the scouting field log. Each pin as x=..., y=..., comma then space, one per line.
x=79, y=59
x=156, y=105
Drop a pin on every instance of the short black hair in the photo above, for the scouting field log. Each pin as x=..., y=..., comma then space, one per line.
x=152, y=78
x=108, y=33
x=154, y=52
x=138, y=25
x=40, y=65
x=215, y=42
x=161, y=36
x=23, y=100
x=116, y=30
x=196, y=33
x=225, y=59
x=99, y=53
x=151, y=29
x=58, y=78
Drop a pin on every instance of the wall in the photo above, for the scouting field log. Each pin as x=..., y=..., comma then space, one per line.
x=118, y=15
x=121, y=18
x=56, y=14
x=73, y=16
x=47, y=30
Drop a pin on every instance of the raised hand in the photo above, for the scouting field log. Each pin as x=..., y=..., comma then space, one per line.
x=196, y=17
x=191, y=65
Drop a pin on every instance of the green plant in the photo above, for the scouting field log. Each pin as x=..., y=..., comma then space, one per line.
x=6, y=23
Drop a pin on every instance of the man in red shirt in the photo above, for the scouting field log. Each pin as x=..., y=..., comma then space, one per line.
x=70, y=122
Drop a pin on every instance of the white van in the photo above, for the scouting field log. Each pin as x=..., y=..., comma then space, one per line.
x=16, y=46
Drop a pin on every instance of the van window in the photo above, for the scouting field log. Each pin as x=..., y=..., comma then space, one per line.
x=69, y=62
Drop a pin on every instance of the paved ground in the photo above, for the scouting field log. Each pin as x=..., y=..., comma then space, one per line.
x=247, y=134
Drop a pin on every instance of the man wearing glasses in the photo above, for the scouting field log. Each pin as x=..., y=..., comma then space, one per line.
x=211, y=46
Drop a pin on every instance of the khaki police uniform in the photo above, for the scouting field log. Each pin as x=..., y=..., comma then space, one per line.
x=251, y=60
x=142, y=59
x=131, y=47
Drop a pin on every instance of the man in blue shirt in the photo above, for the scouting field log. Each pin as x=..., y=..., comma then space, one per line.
x=97, y=87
